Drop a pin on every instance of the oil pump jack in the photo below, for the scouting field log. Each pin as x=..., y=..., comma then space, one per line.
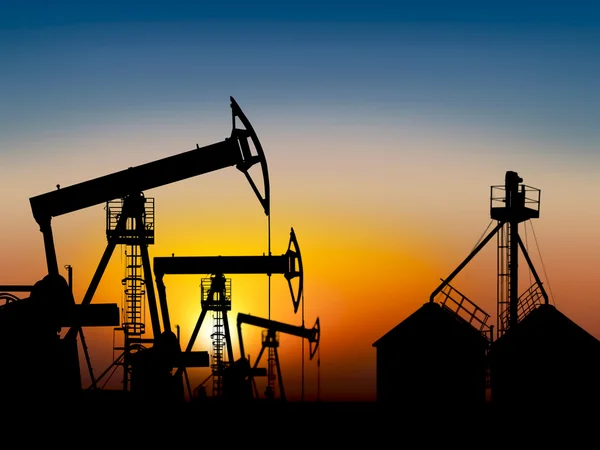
x=270, y=340
x=131, y=226
x=216, y=293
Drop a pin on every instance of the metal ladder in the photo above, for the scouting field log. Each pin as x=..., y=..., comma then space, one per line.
x=134, y=294
x=218, y=360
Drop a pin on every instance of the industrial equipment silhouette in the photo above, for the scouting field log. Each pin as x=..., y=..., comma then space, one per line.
x=270, y=341
x=510, y=204
x=534, y=341
x=129, y=221
x=216, y=295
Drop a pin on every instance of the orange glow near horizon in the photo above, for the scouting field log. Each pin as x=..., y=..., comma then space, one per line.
x=358, y=291
x=363, y=274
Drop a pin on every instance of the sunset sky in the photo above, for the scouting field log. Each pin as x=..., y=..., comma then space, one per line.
x=383, y=129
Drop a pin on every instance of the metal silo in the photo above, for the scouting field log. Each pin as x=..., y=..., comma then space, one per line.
x=434, y=358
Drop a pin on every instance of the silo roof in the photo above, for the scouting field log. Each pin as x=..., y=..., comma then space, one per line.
x=433, y=316
x=547, y=321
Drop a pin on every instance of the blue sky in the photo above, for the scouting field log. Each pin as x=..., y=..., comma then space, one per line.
x=31, y=14
x=530, y=67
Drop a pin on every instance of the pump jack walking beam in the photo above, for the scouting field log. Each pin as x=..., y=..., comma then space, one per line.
x=233, y=151
x=288, y=264
x=128, y=184
x=273, y=327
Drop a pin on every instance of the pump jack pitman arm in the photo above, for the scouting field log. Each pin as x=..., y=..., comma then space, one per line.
x=233, y=151
x=288, y=264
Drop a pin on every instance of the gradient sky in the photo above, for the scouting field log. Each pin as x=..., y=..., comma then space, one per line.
x=383, y=128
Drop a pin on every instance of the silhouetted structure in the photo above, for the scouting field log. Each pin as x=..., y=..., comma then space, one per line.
x=541, y=359
x=510, y=204
x=29, y=340
x=270, y=341
x=434, y=358
x=38, y=366
x=216, y=298
x=151, y=372
x=546, y=362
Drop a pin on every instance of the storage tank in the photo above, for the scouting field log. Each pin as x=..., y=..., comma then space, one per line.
x=434, y=358
x=545, y=361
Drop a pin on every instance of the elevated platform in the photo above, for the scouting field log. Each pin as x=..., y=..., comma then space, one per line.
x=514, y=203
x=507, y=214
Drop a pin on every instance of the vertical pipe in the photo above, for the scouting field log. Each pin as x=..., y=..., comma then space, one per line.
x=269, y=368
x=503, y=282
x=303, y=369
x=515, y=204
x=513, y=264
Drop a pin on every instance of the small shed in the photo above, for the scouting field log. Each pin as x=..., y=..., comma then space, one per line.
x=433, y=358
x=545, y=360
